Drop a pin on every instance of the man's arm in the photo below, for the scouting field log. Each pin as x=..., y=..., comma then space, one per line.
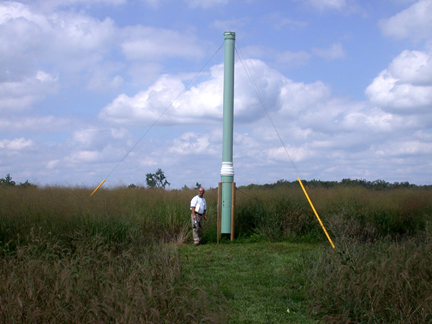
x=193, y=204
x=205, y=209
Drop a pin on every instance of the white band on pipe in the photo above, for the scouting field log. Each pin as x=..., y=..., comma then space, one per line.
x=227, y=169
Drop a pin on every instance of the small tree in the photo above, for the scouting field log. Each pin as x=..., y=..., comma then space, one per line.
x=156, y=180
x=26, y=184
x=198, y=185
x=7, y=181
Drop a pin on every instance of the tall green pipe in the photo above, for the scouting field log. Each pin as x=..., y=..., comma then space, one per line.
x=227, y=170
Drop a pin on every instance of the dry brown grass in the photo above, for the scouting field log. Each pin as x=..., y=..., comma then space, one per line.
x=69, y=258
x=111, y=258
x=95, y=282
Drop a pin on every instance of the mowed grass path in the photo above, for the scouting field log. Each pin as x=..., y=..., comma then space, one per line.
x=262, y=282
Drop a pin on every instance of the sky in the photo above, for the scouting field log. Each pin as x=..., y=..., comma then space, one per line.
x=116, y=89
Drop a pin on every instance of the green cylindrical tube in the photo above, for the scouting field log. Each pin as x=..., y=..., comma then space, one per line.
x=227, y=170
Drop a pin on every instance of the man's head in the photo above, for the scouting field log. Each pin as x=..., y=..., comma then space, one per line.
x=201, y=192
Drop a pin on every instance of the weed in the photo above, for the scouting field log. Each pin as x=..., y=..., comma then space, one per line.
x=383, y=282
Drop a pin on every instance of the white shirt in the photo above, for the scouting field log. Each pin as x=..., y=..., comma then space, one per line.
x=199, y=204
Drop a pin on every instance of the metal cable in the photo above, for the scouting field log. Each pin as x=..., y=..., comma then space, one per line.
x=246, y=68
x=166, y=109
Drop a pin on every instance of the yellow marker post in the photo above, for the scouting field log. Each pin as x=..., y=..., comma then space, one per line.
x=98, y=187
x=316, y=214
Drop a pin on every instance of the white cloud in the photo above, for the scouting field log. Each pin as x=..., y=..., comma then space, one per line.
x=52, y=164
x=374, y=120
x=309, y=104
x=297, y=154
x=76, y=45
x=15, y=144
x=406, y=86
x=21, y=95
x=59, y=41
x=414, y=67
x=204, y=100
x=92, y=138
x=298, y=98
x=11, y=10
x=414, y=22
x=60, y=31
x=193, y=144
x=390, y=95
x=157, y=102
x=101, y=148
x=406, y=148
x=85, y=157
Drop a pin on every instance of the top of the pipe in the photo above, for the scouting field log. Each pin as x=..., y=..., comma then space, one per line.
x=229, y=35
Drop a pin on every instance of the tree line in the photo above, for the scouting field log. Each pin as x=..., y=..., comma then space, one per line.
x=159, y=180
x=8, y=182
x=376, y=184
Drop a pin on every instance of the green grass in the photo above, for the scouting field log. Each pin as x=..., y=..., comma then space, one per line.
x=261, y=282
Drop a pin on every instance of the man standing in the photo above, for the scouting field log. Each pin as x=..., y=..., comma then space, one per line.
x=198, y=206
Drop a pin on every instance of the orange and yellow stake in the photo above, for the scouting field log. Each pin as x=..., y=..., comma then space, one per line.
x=98, y=187
x=316, y=214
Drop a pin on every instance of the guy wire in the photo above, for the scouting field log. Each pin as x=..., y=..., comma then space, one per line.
x=163, y=113
x=246, y=68
x=280, y=138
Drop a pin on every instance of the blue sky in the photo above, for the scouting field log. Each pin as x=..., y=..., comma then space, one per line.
x=348, y=85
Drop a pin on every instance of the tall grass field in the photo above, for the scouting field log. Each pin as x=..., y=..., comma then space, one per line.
x=124, y=255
